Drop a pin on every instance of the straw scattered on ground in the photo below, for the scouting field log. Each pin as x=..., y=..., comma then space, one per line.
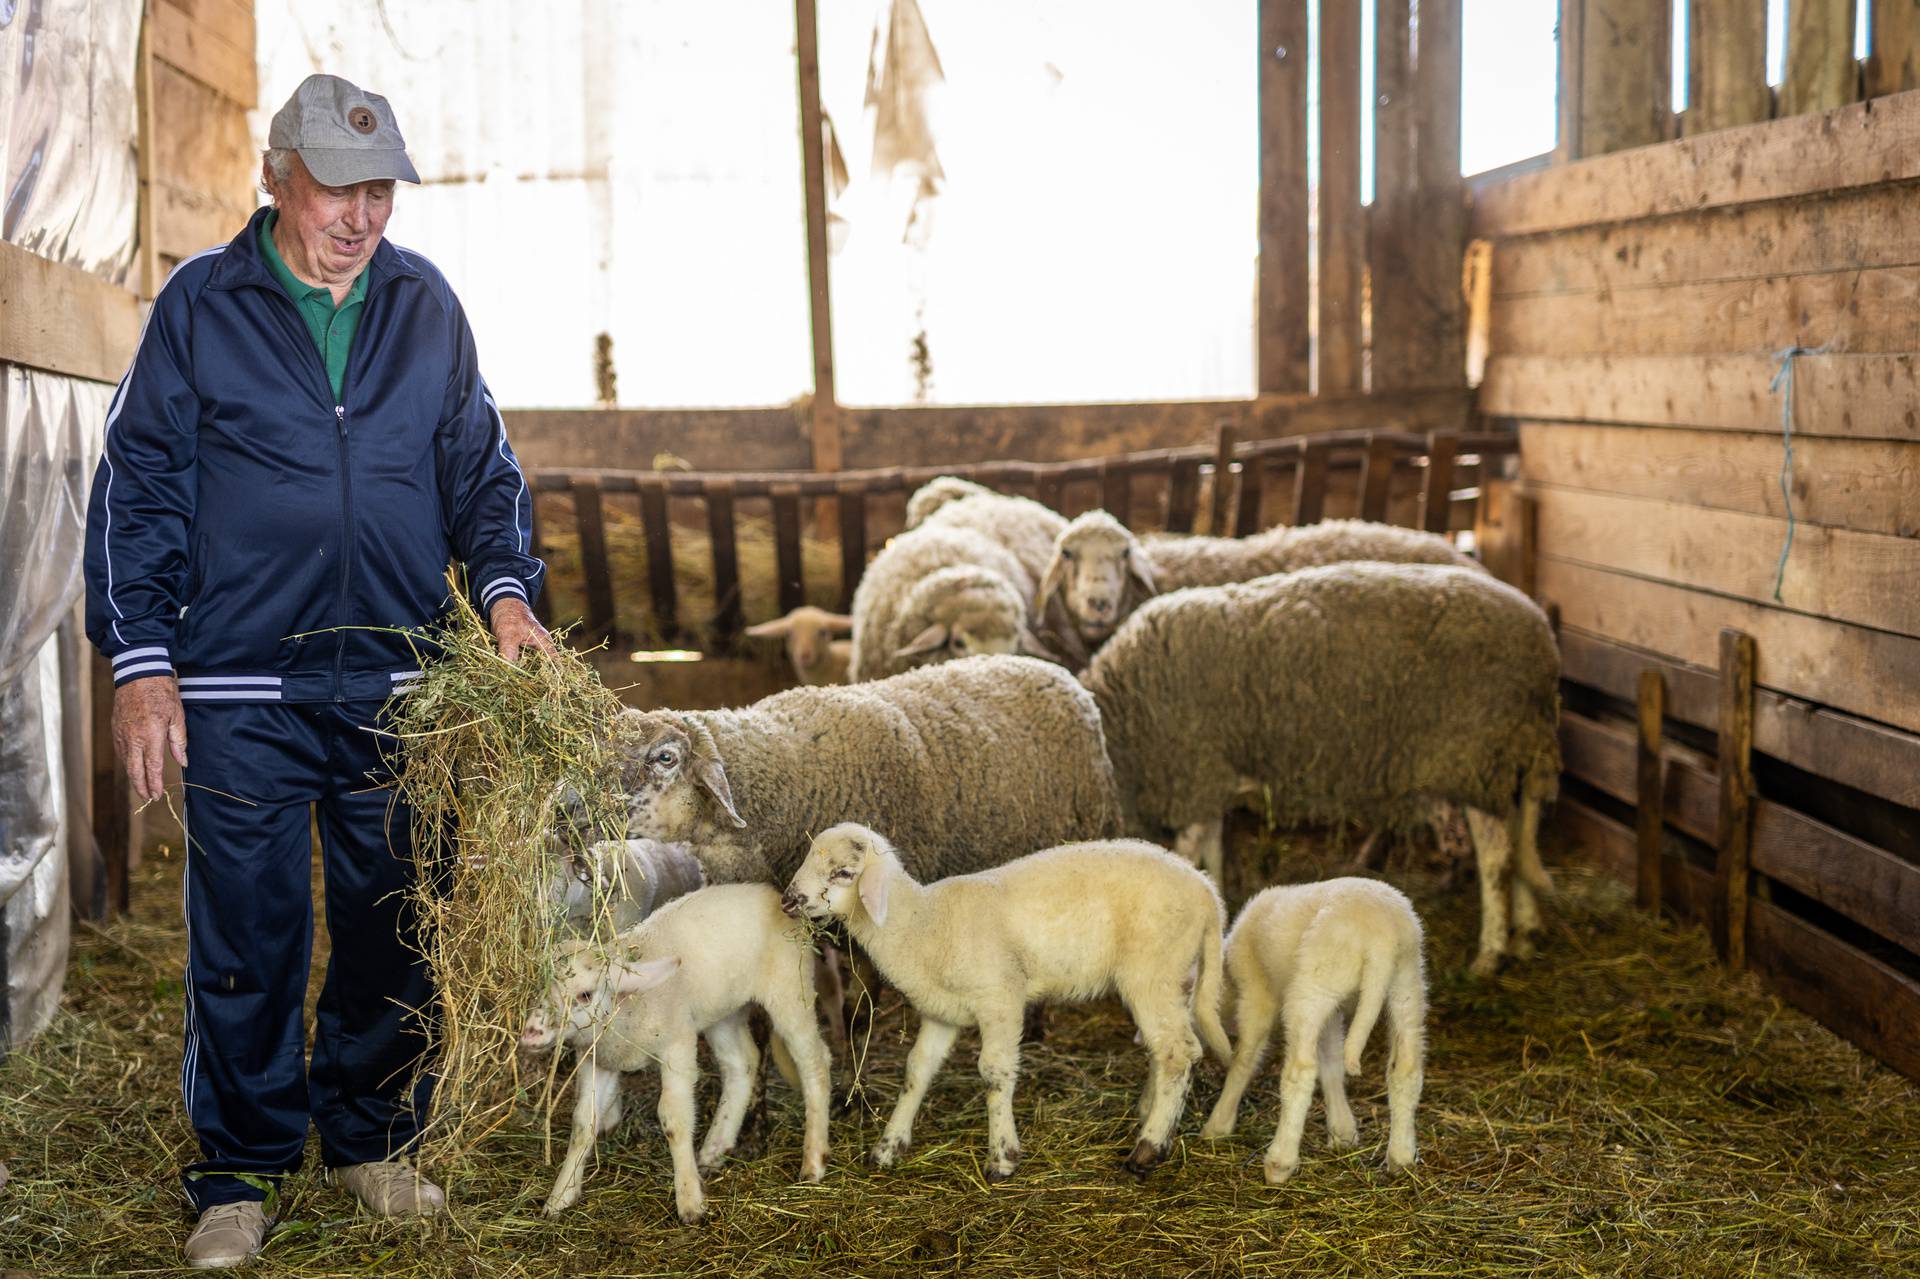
x=1617, y=1107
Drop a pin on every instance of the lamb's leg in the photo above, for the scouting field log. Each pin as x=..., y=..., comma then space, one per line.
x=830, y=981
x=1306, y=1013
x=1203, y=844
x=1254, y=1013
x=1000, y=1067
x=678, y=1071
x=923, y=1062
x=1167, y=1026
x=1406, y=1065
x=795, y=1026
x=739, y=1061
x=1493, y=850
x=1343, y=1132
x=596, y=1095
x=1530, y=878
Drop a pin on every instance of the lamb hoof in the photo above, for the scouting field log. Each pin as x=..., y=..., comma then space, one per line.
x=1486, y=965
x=693, y=1214
x=1398, y=1165
x=1277, y=1173
x=1526, y=945
x=1144, y=1159
x=558, y=1203
x=813, y=1168
x=886, y=1152
x=1343, y=1138
x=996, y=1173
x=1216, y=1129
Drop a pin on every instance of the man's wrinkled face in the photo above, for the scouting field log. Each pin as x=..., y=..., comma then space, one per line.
x=335, y=229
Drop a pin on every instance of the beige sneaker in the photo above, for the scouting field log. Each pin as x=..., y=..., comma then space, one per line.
x=392, y=1189
x=228, y=1234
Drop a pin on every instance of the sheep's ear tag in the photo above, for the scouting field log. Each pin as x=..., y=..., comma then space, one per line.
x=927, y=641
x=634, y=979
x=711, y=775
x=873, y=891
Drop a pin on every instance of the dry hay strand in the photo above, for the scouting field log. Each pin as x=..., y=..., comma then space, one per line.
x=487, y=748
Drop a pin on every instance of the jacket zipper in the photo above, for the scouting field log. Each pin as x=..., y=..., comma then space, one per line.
x=346, y=550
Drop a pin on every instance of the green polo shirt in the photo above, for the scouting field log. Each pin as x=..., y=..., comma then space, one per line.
x=332, y=326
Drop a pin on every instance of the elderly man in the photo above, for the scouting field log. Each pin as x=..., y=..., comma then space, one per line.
x=302, y=445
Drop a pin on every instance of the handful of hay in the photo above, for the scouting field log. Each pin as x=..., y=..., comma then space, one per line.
x=487, y=749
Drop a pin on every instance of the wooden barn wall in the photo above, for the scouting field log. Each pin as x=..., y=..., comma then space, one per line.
x=1643, y=304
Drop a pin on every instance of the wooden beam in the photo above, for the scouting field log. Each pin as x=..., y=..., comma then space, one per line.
x=1626, y=93
x=1440, y=205
x=1865, y=144
x=1868, y=673
x=1310, y=483
x=727, y=619
x=1650, y=791
x=1392, y=232
x=1735, y=748
x=1569, y=99
x=204, y=52
x=63, y=319
x=1505, y=525
x=1605, y=756
x=1726, y=64
x=790, y=564
x=1861, y=997
x=1246, y=517
x=853, y=542
x=1893, y=65
x=1821, y=71
x=1868, y=885
x=1223, y=445
x=201, y=142
x=657, y=529
x=825, y=425
x=146, y=272
x=187, y=221
x=114, y=822
x=1283, y=297
x=1183, y=491
x=602, y=622
x=1376, y=474
x=1340, y=244
x=1436, y=484
x=1860, y=484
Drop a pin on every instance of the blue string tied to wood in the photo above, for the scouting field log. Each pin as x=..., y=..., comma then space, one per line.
x=1784, y=376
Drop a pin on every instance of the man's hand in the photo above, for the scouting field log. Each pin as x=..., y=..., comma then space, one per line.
x=515, y=627
x=147, y=719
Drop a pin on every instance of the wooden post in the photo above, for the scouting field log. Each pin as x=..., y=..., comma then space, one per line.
x=658, y=530
x=1246, y=515
x=853, y=540
x=113, y=820
x=1341, y=245
x=543, y=603
x=1223, y=446
x=1650, y=792
x=1310, y=483
x=1390, y=226
x=790, y=562
x=1439, y=245
x=726, y=562
x=1567, y=105
x=1116, y=489
x=1183, y=492
x=1376, y=477
x=1732, y=870
x=1622, y=93
x=588, y=519
x=1821, y=72
x=86, y=873
x=1726, y=64
x=1436, y=490
x=1283, y=344
x=146, y=274
x=825, y=415
x=1894, y=65
x=1050, y=490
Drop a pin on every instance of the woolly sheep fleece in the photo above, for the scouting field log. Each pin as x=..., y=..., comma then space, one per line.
x=1351, y=692
x=970, y=764
x=899, y=595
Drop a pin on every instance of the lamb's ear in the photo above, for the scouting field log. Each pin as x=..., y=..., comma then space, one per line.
x=1033, y=646
x=873, y=891
x=931, y=640
x=1050, y=581
x=837, y=624
x=778, y=628
x=1141, y=571
x=637, y=978
x=709, y=773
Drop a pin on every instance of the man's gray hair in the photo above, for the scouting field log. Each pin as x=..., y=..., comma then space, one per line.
x=279, y=162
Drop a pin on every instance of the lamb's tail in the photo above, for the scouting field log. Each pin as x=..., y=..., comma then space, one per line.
x=1376, y=969
x=783, y=1061
x=1206, y=997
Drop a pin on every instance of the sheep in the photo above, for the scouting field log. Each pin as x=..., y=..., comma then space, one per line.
x=689, y=970
x=814, y=648
x=1064, y=925
x=936, y=493
x=1306, y=953
x=1030, y=531
x=937, y=593
x=971, y=762
x=1352, y=692
x=1102, y=572
x=627, y=879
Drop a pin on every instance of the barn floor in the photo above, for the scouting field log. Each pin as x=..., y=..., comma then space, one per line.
x=1615, y=1107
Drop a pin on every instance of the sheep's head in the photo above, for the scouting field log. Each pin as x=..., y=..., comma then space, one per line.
x=587, y=986
x=673, y=778
x=845, y=867
x=1096, y=562
x=809, y=633
x=936, y=493
x=963, y=612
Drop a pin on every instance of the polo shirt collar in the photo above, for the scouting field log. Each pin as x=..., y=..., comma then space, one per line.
x=297, y=288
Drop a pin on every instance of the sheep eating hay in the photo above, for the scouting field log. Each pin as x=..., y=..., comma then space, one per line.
x=935, y=593
x=1353, y=692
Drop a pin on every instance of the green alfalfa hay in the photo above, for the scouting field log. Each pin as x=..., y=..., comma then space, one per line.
x=486, y=748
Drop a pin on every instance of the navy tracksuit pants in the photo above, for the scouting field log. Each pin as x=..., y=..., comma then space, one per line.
x=249, y=1089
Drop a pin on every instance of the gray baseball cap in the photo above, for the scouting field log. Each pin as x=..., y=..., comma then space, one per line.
x=343, y=133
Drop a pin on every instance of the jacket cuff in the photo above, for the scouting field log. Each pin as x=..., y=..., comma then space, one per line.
x=498, y=588
x=140, y=662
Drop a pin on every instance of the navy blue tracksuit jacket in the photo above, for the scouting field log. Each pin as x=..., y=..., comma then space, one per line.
x=247, y=532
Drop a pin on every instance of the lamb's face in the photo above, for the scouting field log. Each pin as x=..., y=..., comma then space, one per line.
x=576, y=1001
x=962, y=613
x=1092, y=560
x=827, y=884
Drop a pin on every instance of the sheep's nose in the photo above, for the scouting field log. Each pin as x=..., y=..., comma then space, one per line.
x=1100, y=604
x=790, y=902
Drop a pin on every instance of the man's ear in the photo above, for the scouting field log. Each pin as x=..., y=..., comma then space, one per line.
x=873, y=891
x=631, y=978
x=930, y=640
x=709, y=773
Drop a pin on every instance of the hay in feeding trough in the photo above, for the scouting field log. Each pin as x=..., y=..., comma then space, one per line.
x=487, y=748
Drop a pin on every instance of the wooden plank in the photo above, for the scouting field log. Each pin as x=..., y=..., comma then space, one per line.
x=1436, y=483
x=1440, y=205
x=146, y=273
x=1649, y=790
x=1310, y=483
x=825, y=435
x=591, y=523
x=1855, y=396
x=1391, y=230
x=201, y=142
x=1376, y=474
x=1868, y=885
x=1606, y=757
x=788, y=561
x=1865, y=144
x=204, y=52
x=1688, y=889
x=853, y=541
x=1116, y=489
x=727, y=620
x=187, y=221
x=1625, y=81
x=1283, y=348
x=1869, y=673
x=63, y=319
x=86, y=870
x=1505, y=534
x=1726, y=64
x=1223, y=482
x=113, y=820
x=1246, y=516
x=657, y=529
x=231, y=20
x=1340, y=243
x=1856, y=995
x=537, y=544
x=1183, y=492
x=1864, y=485
x=1735, y=744
x=1893, y=65
x=1859, y=311
x=1050, y=491
x=1569, y=101
x=1864, y=578
x=1821, y=71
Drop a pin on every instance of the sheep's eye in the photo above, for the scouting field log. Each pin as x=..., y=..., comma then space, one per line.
x=845, y=872
x=584, y=997
x=666, y=758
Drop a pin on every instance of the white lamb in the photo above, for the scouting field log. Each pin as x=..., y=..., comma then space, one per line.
x=1307, y=954
x=690, y=970
x=815, y=645
x=1065, y=925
